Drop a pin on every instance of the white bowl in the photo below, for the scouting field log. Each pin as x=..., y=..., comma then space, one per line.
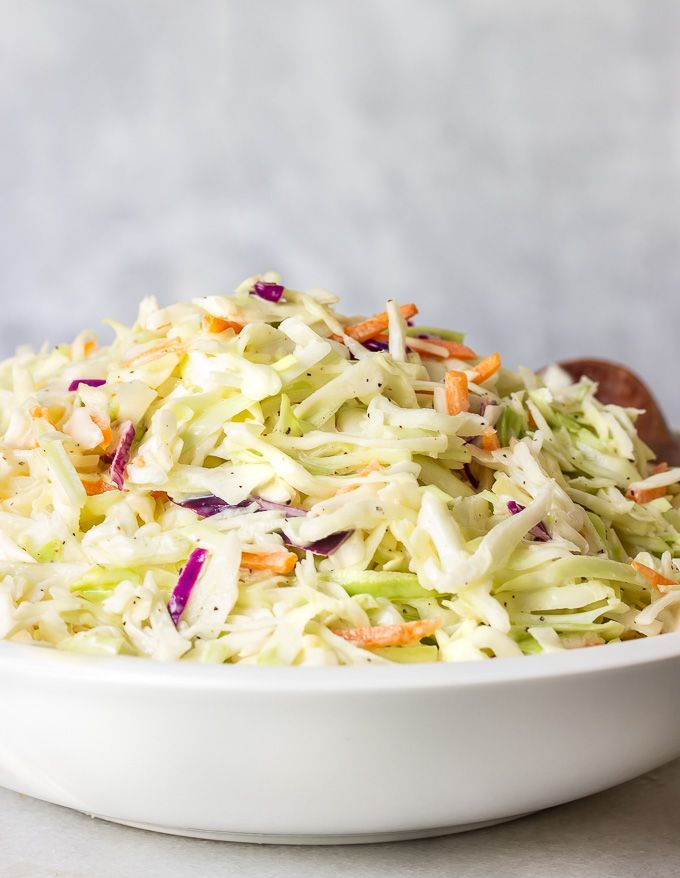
x=328, y=755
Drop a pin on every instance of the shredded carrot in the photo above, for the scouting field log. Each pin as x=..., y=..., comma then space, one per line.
x=376, y=324
x=486, y=368
x=107, y=435
x=646, y=495
x=490, y=439
x=373, y=636
x=372, y=467
x=159, y=495
x=217, y=324
x=275, y=562
x=655, y=579
x=89, y=347
x=97, y=486
x=169, y=346
x=39, y=411
x=453, y=348
x=439, y=348
x=456, y=386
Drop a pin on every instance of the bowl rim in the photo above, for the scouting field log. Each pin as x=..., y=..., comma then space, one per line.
x=140, y=672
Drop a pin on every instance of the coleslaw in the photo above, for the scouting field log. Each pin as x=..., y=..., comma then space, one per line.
x=258, y=479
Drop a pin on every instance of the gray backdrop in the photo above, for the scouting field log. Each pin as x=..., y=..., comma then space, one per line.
x=512, y=166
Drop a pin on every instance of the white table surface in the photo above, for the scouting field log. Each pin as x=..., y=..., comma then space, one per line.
x=632, y=830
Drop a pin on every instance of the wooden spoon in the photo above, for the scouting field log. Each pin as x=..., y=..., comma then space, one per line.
x=618, y=385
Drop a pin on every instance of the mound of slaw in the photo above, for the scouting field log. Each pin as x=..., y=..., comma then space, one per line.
x=258, y=479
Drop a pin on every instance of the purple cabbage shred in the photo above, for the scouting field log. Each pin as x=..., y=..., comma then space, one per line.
x=122, y=454
x=325, y=546
x=185, y=583
x=539, y=532
x=374, y=345
x=267, y=291
x=91, y=382
x=212, y=505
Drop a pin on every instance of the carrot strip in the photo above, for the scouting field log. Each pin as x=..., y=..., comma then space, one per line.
x=217, y=324
x=646, y=495
x=372, y=467
x=454, y=348
x=169, y=346
x=655, y=579
x=486, y=368
x=96, y=486
x=373, y=636
x=107, y=435
x=456, y=387
x=39, y=411
x=89, y=347
x=274, y=562
x=439, y=348
x=377, y=324
x=490, y=439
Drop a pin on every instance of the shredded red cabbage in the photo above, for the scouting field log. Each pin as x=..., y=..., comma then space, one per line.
x=374, y=345
x=91, y=382
x=185, y=583
x=540, y=532
x=268, y=292
x=212, y=505
x=122, y=454
x=209, y=505
x=325, y=546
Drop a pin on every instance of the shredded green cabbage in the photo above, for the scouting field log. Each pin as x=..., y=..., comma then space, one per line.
x=405, y=541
